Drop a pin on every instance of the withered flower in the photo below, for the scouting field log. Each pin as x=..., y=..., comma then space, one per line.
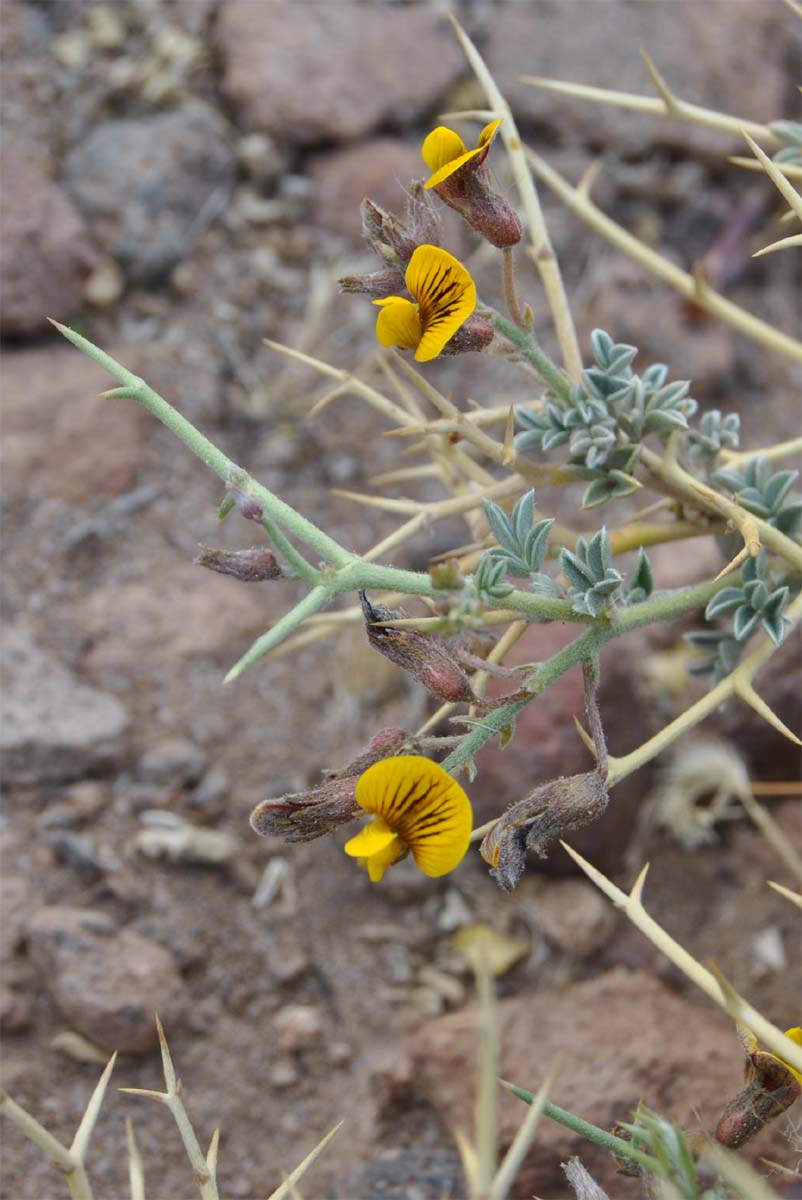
x=424, y=657
x=771, y=1086
x=253, y=565
x=303, y=816
x=462, y=181
x=395, y=241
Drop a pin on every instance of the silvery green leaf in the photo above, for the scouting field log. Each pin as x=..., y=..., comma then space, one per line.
x=522, y=441
x=758, y=595
x=536, y=544
x=664, y=422
x=725, y=601
x=752, y=499
x=790, y=155
x=526, y=418
x=513, y=565
x=543, y=585
x=655, y=376
x=642, y=578
x=774, y=627
x=776, y=601
x=600, y=556
x=602, y=345
x=789, y=519
x=621, y=358
x=704, y=639
x=731, y=480
x=623, y=484
x=729, y=652
x=523, y=515
x=597, y=493
x=500, y=525
x=669, y=395
x=575, y=570
x=555, y=438
x=789, y=132
x=778, y=488
x=744, y=623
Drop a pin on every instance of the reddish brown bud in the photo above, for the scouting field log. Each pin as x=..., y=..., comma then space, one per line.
x=378, y=284
x=770, y=1088
x=303, y=816
x=475, y=334
x=249, y=566
x=395, y=239
x=548, y=812
x=248, y=505
x=422, y=656
x=470, y=193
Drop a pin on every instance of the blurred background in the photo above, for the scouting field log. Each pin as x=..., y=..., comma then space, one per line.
x=181, y=179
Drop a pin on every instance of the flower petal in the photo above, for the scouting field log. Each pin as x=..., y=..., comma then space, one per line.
x=488, y=133
x=441, y=147
x=398, y=323
x=374, y=838
x=451, y=167
x=795, y=1035
x=426, y=807
x=446, y=296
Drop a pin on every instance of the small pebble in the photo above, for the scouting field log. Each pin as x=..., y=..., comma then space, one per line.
x=284, y=1073
x=175, y=761
x=105, y=285
x=297, y=1025
x=15, y=1011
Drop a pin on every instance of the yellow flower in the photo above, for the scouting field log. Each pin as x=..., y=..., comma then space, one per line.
x=795, y=1035
x=444, y=151
x=419, y=808
x=445, y=295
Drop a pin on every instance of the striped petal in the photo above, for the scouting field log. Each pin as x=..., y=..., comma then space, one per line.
x=446, y=296
x=441, y=147
x=426, y=808
x=398, y=323
x=488, y=133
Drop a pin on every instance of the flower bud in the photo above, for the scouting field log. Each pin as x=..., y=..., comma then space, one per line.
x=548, y=812
x=375, y=283
x=422, y=656
x=249, y=566
x=475, y=334
x=771, y=1086
x=470, y=193
x=303, y=816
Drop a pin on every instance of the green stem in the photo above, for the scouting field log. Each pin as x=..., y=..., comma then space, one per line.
x=302, y=568
x=134, y=388
x=311, y=602
x=593, y=1133
x=529, y=349
x=664, y=607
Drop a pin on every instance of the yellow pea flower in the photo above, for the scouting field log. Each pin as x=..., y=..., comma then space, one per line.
x=419, y=809
x=444, y=151
x=445, y=296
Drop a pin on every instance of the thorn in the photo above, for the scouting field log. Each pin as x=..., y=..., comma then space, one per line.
x=794, y=897
x=585, y=185
x=162, y=1097
x=508, y=453
x=671, y=101
x=585, y=736
x=748, y=693
x=740, y=557
x=637, y=887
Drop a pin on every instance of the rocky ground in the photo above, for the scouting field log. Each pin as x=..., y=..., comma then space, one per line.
x=182, y=179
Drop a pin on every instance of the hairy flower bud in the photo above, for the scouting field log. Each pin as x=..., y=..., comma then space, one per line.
x=249, y=566
x=771, y=1086
x=533, y=823
x=422, y=656
x=377, y=284
x=303, y=816
x=476, y=334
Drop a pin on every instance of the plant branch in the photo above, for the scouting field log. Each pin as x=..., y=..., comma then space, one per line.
x=134, y=388
x=694, y=286
x=541, y=248
x=585, y=1129
x=679, y=109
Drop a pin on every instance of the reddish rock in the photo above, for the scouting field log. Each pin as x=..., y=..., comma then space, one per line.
x=379, y=169
x=46, y=254
x=309, y=73
x=150, y=185
x=189, y=614
x=546, y=745
x=621, y=1038
x=575, y=916
x=703, y=52
x=60, y=438
x=108, y=984
x=52, y=725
